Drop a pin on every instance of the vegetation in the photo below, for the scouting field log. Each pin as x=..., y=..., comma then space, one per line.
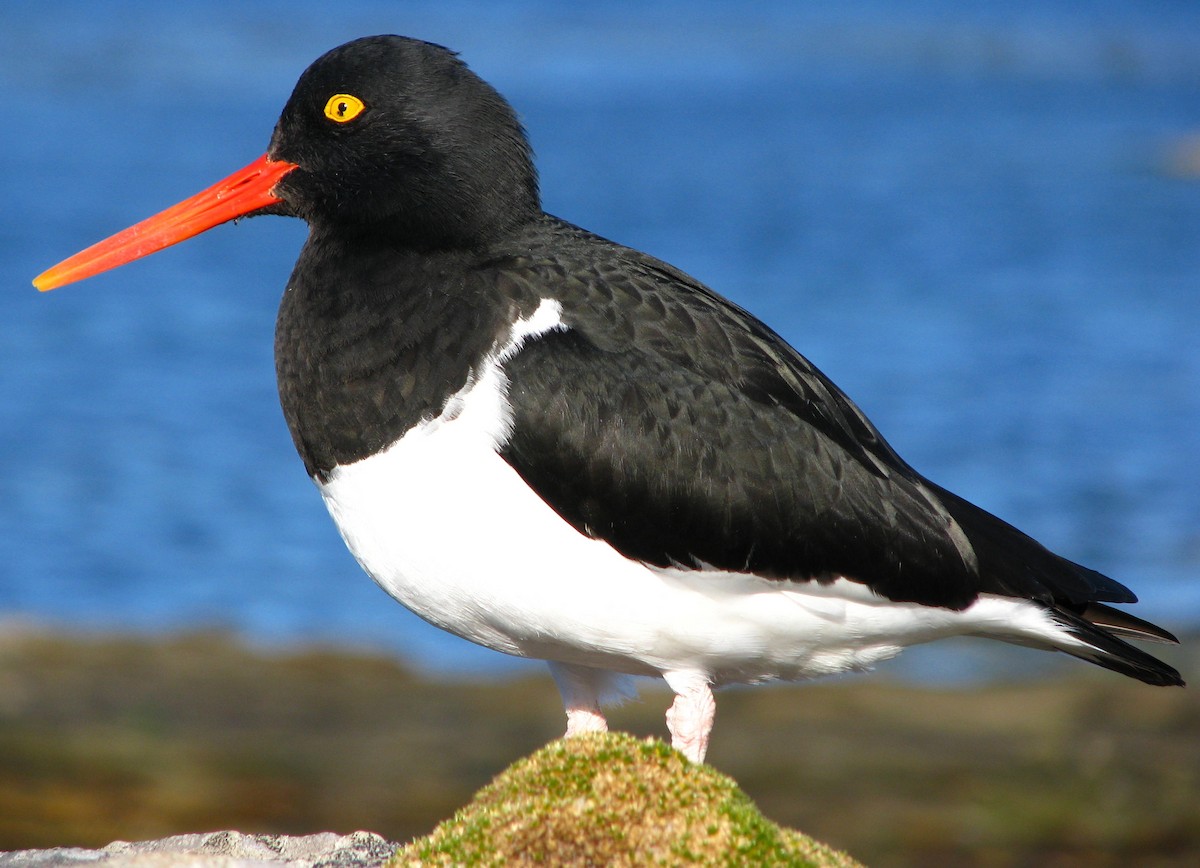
x=105, y=738
x=609, y=799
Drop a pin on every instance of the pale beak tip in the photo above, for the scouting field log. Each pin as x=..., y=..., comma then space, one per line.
x=48, y=280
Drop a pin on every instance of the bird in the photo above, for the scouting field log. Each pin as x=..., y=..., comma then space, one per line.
x=561, y=448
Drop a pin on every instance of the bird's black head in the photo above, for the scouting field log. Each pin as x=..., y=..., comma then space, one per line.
x=384, y=136
x=396, y=136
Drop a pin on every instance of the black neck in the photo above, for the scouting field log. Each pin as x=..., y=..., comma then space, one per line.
x=370, y=339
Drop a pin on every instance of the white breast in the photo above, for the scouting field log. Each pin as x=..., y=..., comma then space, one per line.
x=443, y=524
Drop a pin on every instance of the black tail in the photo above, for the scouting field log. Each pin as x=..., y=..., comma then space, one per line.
x=1092, y=626
x=1012, y=564
x=1124, y=625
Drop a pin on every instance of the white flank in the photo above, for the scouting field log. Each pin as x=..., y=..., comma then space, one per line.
x=449, y=529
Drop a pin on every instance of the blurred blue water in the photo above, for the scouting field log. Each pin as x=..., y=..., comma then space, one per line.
x=965, y=213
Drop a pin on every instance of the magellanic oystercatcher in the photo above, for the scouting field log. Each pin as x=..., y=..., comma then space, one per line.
x=561, y=448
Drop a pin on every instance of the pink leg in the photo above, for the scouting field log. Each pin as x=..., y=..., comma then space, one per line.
x=690, y=717
x=585, y=720
x=580, y=688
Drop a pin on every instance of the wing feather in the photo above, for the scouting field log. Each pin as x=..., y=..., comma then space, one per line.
x=703, y=438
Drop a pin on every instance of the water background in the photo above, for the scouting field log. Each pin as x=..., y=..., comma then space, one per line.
x=977, y=218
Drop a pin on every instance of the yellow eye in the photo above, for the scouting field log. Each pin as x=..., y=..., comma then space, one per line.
x=343, y=107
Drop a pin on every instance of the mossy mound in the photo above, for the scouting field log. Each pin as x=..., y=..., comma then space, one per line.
x=610, y=799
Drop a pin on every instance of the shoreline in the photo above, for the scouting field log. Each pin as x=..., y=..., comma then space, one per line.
x=106, y=737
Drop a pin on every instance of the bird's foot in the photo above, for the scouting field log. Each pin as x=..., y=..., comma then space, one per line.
x=690, y=717
x=581, y=687
x=581, y=720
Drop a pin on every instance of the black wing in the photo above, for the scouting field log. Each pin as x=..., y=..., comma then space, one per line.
x=704, y=439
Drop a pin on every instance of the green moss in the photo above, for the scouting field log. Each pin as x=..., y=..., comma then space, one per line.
x=610, y=799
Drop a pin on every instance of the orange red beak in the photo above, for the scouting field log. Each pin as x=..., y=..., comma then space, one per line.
x=243, y=192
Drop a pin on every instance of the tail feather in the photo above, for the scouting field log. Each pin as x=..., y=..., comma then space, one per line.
x=1102, y=647
x=1015, y=566
x=1124, y=625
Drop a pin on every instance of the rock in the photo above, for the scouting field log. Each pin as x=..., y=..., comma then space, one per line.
x=220, y=850
x=610, y=799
